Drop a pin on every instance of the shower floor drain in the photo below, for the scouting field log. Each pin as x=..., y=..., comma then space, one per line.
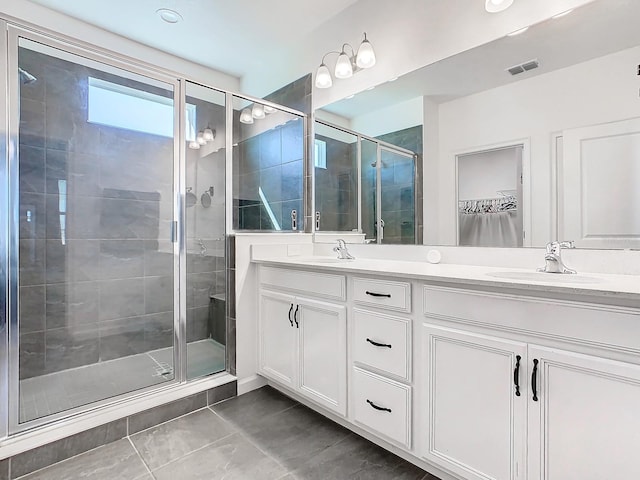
x=163, y=370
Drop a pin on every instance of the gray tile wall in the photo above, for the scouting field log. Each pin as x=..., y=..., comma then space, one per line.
x=32, y=460
x=106, y=291
x=337, y=187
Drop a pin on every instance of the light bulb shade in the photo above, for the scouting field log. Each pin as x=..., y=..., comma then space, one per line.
x=495, y=6
x=268, y=110
x=200, y=138
x=258, y=111
x=246, y=117
x=209, y=134
x=366, y=57
x=194, y=145
x=323, y=77
x=344, y=69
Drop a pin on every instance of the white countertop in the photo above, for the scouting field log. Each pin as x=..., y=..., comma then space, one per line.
x=623, y=290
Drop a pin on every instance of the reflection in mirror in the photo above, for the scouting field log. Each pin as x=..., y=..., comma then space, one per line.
x=567, y=90
x=268, y=170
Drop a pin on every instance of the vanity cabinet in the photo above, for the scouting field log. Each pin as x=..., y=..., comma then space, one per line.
x=303, y=341
x=475, y=404
x=584, y=423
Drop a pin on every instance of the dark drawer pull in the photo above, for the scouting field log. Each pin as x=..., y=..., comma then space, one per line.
x=382, y=409
x=374, y=294
x=376, y=344
x=534, y=381
x=290, y=310
x=516, y=375
x=295, y=316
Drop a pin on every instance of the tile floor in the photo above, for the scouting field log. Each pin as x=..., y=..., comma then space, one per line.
x=60, y=391
x=262, y=435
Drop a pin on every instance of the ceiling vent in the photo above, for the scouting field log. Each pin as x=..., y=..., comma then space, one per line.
x=524, y=67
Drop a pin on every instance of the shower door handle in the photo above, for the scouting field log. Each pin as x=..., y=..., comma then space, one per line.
x=174, y=232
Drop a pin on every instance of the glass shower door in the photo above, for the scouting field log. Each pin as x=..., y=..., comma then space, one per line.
x=94, y=188
x=397, y=181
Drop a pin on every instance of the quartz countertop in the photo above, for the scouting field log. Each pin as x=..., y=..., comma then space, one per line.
x=623, y=290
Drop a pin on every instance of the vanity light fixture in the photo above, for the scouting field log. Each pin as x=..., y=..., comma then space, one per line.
x=346, y=65
x=495, y=6
x=193, y=145
x=258, y=111
x=246, y=116
x=393, y=79
x=200, y=139
x=209, y=134
x=269, y=110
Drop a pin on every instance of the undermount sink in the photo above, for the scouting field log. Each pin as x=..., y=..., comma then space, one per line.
x=545, y=277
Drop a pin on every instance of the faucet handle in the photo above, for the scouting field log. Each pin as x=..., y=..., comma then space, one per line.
x=567, y=244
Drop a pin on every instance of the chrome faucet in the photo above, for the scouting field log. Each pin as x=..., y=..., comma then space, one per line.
x=553, y=258
x=342, y=251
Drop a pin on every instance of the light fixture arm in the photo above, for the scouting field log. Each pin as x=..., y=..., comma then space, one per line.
x=353, y=52
x=328, y=53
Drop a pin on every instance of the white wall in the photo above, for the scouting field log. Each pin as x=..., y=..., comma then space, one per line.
x=23, y=11
x=391, y=119
x=483, y=175
x=593, y=92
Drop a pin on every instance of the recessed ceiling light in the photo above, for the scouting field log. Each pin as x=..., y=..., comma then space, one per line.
x=350, y=97
x=517, y=32
x=169, y=16
x=563, y=14
x=371, y=88
x=393, y=79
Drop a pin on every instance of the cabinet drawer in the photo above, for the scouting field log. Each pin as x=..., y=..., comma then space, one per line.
x=382, y=342
x=312, y=284
x=383, y=293
x=382, y=405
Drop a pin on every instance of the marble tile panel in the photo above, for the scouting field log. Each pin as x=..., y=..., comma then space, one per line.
x=158, y=331
x=59, y=450
x=32, y=262
x=121, y=259
x=71, y=347
x=33, y=218
x=357, y=459
x=32, y=354
x=222, y=393
x=32, y=123
x=231, y=458
x=231, y=348
x=32, y=309
x=143, y=420
x=197, y=323
x=31, y=169
x=116, y=461
x=158, y=294
x=248, y=410
x=175, y=439
x=122, y=337
x=121, y=298
x=72, y=304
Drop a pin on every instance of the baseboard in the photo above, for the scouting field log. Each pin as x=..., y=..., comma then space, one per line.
x=251, y=383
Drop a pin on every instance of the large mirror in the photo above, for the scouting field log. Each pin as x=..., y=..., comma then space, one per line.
x=531, y=138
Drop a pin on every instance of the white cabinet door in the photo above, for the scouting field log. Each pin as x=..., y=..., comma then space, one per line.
x=476, y=421
x=278, y=338
x=585, y=424
x=323, y=353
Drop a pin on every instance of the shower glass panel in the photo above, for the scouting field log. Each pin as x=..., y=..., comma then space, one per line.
x=268, y=168
x=369, y=186
x=336, y=178
x=96, y=261
x=205, y=230
x=398, y=197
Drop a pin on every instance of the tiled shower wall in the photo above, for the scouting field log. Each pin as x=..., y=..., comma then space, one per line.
x=337, y=187
x=108, y=291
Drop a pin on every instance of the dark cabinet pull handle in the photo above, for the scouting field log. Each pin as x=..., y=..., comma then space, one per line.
x=290, y=319
x=376, y=344
x=534, y=382
x=516, y=375
x=374, y=294
x=295, y=316
x=382, y=409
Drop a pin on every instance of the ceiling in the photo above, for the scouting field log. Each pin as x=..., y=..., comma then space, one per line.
x=591, y=31
x=231, y=36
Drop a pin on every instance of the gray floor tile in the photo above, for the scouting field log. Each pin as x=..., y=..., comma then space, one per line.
x=169, y=411
x=357, y=459
x=286, y=435
x=116, y=461
x=232, y=458
x=167, y=442
x=249, y=409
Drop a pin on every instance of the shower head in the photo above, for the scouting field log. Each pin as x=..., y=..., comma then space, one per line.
x=25, y=77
